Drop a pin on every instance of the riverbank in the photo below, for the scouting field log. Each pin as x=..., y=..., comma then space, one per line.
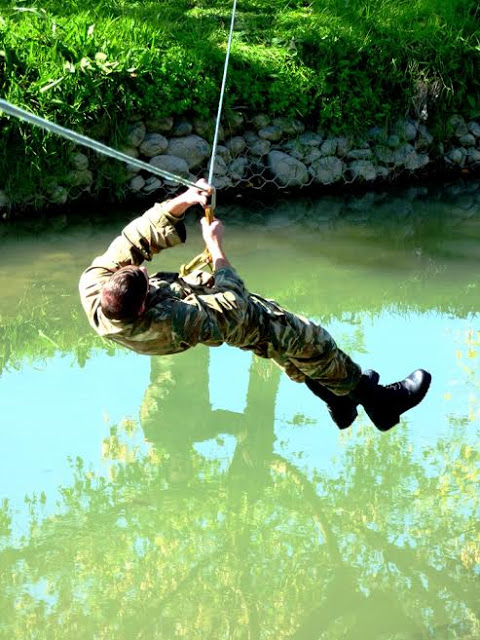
x=264, y=155
x=317, y=94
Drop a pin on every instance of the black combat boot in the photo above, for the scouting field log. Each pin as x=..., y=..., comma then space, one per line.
x=384, y=405
x=342, y=409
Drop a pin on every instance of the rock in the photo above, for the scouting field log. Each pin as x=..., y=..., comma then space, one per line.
x=136, y=134
x=224, y=153
x=250, y=137
x=384, y=154
x=314, y=154
x=363, y=170
x=424, y=140
x=309, y=139
x=58, y=195
x=360, y=154
x=220, y=168
x=236, y=145
x=327, y=170
x=172, y=164
x=393, y=141
x=260, y=147
x=474, y=129
x=458, y=125
x=80, y=161
x=182, y=129
x=294, y=149
x=238, y=168
x=132, y=169
x=343, y=146
x=401, y=155
x=83, y=178
x=151, y=185
x=329, y=147
x=416, y=161
x=260, y=121
x=160, y=125
x=473, y=158
x=406, y=130
x=286, y=170
x=455, y=157
x=130, y=151
x=193, y=149
x=383, y=172
x=271, y=133
x=136, y=184
x=204, y=128
x=468, y=140
x=153, y=145
x=289, y=127
x=284, y=124
x=221, y=182
x=232, y=122
x=377, y=134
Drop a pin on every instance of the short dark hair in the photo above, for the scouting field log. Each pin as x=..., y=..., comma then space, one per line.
x=124, y=293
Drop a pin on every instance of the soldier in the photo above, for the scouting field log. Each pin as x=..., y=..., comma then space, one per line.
x=166, y=313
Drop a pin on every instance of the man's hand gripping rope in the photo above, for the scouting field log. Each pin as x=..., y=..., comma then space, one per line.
x=205, y=258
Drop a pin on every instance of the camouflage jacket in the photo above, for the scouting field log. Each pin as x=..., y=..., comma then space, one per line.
x=180, y=312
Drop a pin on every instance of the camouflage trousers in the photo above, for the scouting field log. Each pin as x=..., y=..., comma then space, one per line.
x=303, y=349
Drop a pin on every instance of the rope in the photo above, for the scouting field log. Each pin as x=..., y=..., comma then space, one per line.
x=204, y=259
x=85, y=141
x=222, y=93
x=105, y=150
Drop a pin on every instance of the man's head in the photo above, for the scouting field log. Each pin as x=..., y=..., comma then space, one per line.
x=123, y=296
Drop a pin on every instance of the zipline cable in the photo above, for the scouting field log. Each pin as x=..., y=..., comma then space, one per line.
x=85, y=141
x=222, y=93
x=204, y=259
x=105, y=150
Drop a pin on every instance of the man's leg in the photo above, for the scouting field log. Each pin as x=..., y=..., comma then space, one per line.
x=333, y=376
x=342, y=409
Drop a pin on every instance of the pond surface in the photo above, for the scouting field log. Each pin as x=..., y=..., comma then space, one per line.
x=207, y=496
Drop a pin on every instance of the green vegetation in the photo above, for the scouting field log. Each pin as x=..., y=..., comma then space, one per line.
x=342, y=65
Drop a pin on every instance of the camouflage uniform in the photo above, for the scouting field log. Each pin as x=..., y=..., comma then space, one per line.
x=211, y=310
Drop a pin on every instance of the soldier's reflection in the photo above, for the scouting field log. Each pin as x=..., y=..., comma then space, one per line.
x=176, y=413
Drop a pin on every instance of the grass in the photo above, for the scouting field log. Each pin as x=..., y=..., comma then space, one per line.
x=342, y=65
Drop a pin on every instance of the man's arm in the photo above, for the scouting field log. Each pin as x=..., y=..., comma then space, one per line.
x=159, y=228
x=213, y=236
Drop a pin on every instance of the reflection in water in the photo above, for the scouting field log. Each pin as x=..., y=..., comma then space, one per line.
x=247, y=536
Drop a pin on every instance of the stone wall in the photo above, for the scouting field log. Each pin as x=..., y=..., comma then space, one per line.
x=276, y=154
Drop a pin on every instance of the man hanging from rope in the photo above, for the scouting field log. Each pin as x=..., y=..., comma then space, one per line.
x=166, y=313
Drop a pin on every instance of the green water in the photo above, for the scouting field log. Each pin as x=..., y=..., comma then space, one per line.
x=206, y=496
